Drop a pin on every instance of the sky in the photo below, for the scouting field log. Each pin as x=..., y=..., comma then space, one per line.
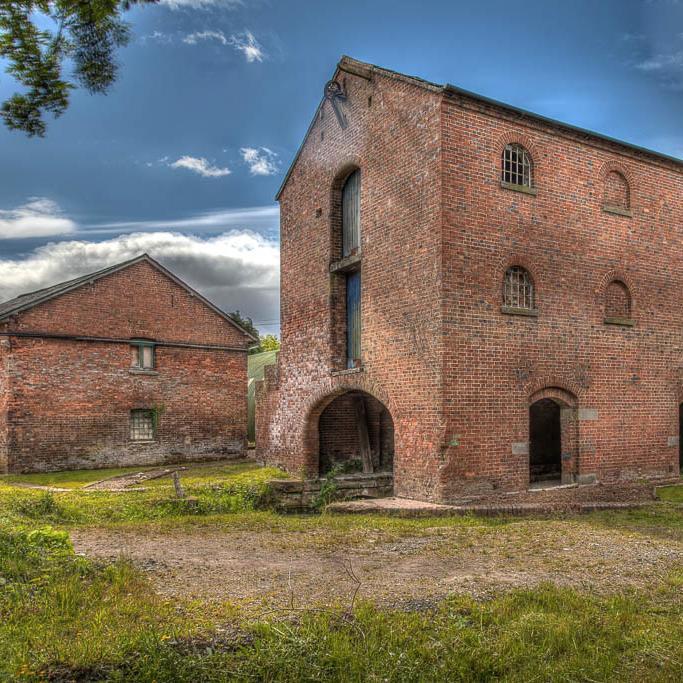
x=183, y=158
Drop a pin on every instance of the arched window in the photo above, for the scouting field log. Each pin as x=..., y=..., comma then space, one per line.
x=617, y=193
x=517, y=167
x=617, y=302
x=351, y=215
x=518, y=289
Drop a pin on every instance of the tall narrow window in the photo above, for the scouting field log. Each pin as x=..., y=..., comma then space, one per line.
x=518, y=289
x=351, y=215
x=353, y=319
x=517, y=168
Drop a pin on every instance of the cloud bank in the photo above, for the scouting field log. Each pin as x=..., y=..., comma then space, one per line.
x=39, y=217
x=235, y=270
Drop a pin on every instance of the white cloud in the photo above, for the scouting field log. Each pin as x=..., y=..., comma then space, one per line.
x=261, y=161
x=201, y=4
x=39, y=217
x=200, y=166
x=194, y=38
x=662, y=62
x=261, y=218
x=235, y=270
x=248, y=45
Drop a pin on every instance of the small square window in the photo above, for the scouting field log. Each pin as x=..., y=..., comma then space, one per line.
x=142, y=426
x=142, y=355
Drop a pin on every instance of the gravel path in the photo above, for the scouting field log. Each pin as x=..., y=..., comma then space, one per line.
x=270, y=568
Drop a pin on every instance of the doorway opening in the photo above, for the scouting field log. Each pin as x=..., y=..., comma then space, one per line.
x=356, y=434
x=545, y=441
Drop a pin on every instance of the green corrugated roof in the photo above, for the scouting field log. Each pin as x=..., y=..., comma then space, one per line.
x=256, y=367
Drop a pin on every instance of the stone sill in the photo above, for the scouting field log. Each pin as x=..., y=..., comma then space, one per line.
x=527, y=312
x=618, y=211
x=519, y=188
x=623, y=322
x=347, y=263
x=141, y=371
x=142, y=443
x=347, y=371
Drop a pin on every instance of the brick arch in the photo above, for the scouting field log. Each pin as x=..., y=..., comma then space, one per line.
x=323, y=396
x=566, y=389
x=512, y=137
x=557, y=394
x=614, y=275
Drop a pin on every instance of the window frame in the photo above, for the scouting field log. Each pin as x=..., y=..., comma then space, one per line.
x=527, y=169
x=140, y=345
x=529, y=291
x=132, y=427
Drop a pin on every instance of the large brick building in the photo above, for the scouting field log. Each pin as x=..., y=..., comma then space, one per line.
x=474, y=295
x=125, y=366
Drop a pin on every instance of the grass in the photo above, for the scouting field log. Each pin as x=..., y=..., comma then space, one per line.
x=672, y=494
x=66, y=618
x=63, y=617
x=68, y=480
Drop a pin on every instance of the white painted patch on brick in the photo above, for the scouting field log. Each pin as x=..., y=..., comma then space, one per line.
x=672, y=441
x=588, y=414
x=520, y=448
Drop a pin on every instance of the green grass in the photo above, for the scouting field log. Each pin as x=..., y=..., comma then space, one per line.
x=66, y=618
x=69, y=480
x=672, y=494
x=63, y=617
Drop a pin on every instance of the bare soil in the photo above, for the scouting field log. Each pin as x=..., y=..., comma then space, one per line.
x=277, y=568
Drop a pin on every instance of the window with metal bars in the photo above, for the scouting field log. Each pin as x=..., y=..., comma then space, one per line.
x=142, y=427
x=517, y=167
x=518, y=289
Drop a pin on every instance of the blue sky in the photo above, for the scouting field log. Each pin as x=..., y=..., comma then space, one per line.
x=184, y=156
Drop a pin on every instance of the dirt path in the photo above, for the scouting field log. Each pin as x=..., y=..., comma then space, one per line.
x=270, y=568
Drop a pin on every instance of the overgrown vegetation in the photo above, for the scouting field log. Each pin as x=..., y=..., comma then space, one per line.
x=64, y=617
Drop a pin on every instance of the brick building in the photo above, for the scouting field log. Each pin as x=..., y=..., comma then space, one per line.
x=474, y=296
x=125, y=366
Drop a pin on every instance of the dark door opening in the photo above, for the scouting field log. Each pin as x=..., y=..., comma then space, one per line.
x=680, y=439
x=356, y=435
x=545, y=441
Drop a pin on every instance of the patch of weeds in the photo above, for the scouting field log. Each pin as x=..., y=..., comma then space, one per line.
x=328, y=489
x=43, y=506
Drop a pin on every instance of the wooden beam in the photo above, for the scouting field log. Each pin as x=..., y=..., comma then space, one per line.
x=363, y=436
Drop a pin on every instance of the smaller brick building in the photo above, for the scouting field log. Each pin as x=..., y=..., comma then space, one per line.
x=125, y=366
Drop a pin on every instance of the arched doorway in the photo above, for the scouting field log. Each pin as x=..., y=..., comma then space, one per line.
x=553, y=438
x=356, y=434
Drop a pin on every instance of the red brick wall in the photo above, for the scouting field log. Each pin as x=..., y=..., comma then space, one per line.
x=394, y=139
x=438, y=233
x=4, y=400
x=626, y=381
x=71, y=400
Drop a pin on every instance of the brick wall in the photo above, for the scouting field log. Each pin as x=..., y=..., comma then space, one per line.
x=401, y=276
x=625, y=380
x=4, y=400
x=438, y=233
x=71, y=400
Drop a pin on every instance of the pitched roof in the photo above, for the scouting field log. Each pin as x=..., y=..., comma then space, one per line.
x=366, y=70
x=26, y=301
